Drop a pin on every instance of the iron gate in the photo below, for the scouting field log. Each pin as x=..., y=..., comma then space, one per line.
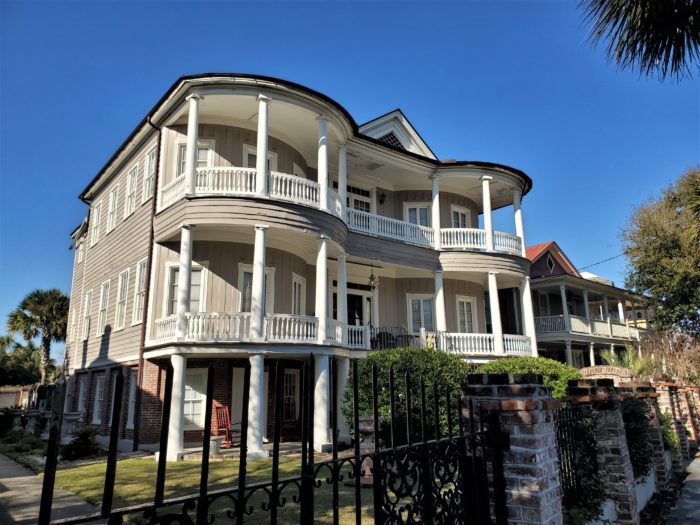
x=428, y=468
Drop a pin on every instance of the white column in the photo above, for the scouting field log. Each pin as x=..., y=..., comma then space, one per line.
x=323, y=163
x=176, y=425
x=321, y=404
x=256, y=406
x=321, y=308
x=261, y=175
x=621, y=311
x=496, y=327
x=191, y=151
x=440, y=315
x=606, y=308
x=184, y=276
x=343, y=372
x=569, y=355
x=564, y=308
x=343, y=176
x=257, y=293
x=528, y=314
x=488, y=222
x=591, y=353
x=342, y=296
x=519, y=229
x=436, y=211
x=587, y=309
x=375, y=305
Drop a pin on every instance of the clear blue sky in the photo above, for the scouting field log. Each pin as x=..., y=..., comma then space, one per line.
x=514, y=83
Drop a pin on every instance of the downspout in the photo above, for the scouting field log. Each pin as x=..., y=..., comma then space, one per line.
x=147, y=292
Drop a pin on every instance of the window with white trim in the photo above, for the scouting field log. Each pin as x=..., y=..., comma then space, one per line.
x=131, y=183
x=421, y=313
x=195, y=290
x=417, y=213
x=140, y=292
x=99, y=400
x=298, y=295
x=297, y=171
x=201, y=159
x=466, y=314
x=104, y=302
x=87, y=306
x=122, y=293
x=250, y=158
x=95, y=218
x=79, y=253
x=195, y=396
x=461, y=217
x=82, y=393
x=290, y=398
x=131, y=410
x=149, y=175
x=112, y=210
x=359, y=199
x=245, y=284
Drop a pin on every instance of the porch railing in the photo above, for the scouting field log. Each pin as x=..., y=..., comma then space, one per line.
x=218, y=326
x=579, y=324
x=172, y=191
x=506, y=242
x=619, y=330
x=359, y=337
x=600, y=328
x=165, y=329
x=516, y=344
x=226, y=181
x=549, y=323
x=291, y=188
x=462, y=239
x=459, y=343
x=286, y=328
x=334, y=331
x=380, y=226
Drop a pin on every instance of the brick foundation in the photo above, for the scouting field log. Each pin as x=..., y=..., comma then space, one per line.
x=616, y=373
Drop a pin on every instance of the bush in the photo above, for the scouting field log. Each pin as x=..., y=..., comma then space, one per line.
x=83, y=444
x=556, y=375
x=19, y=441
x=637, y=428
x=435, y=367
x=6, y=420
x=669, y=435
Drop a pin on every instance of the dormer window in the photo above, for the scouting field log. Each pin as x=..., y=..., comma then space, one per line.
x=550, y=263
x=392, y=140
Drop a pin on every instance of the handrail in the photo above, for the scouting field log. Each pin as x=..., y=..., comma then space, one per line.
x=380, y=226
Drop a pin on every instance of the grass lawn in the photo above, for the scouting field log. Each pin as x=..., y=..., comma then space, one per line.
x=135, y=483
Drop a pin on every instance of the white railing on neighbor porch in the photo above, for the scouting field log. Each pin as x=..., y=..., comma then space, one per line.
x=516, y=344
x=600, y=328
x=218, y=326
x=165, y=329
x=462, y=238
x=459, y=343
x=549, y=323
x=173, y=191
x=619, y=330
x=359, y=337
x=226, y=181
x=286, y=328
x=506, y=242
x=294, y=189
x=579, y=324
x=380, y=226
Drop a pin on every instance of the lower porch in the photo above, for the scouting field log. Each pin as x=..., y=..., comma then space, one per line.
x=576, y=353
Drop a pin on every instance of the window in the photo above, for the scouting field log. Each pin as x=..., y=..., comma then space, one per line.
x=466, y=314
x=195, y=290
x=201, y=160
x=149, y=175
x=195, y=389
x=250, y=158
x=79, y=253
x=122, y=293
x=297, y=171
x=550, y=263
x=95, y=218
x=543, y=300
x=86, y=315
x=460, y=217
x=131, y=181
x=99, y=399
x=131, y=410
x=102, y=315
x=417, y=213
x=291, y=396
x=420, y=312
x=112, y=211
x=140, y=294
x=298, y=295
x=82, y=393
x=245, y=283
x=359, y=199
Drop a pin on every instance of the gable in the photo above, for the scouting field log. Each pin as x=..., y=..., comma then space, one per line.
x=549, y=260
x=395, y=130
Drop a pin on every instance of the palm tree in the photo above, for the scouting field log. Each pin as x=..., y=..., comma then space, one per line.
x=43, y=314
x=659, y=36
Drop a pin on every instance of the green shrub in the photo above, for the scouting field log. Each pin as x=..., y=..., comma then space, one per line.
x=6, y=420
x=83, y=444
x=556, y=375
x=19, y=441
x=435, y=367
x=669, y=435
x=637, y=429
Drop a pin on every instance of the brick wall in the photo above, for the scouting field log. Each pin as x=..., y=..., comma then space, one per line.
x=616, y=373
x=669, y=403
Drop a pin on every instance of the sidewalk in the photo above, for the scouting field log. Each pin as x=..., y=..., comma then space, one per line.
x=687, y=509
x=20, y=495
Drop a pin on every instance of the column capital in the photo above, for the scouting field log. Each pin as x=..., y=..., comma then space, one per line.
x=323, y=237
x=438, y=272
x=184, y=226
x=194, y=96
x=263, y=98
x=322, y=118
x=486, y=177
x=493, y=273
x=343, y=145
x=342, y=257
x=434, y=176
x=261, y=226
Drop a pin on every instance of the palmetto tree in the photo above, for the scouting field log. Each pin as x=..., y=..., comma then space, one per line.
x=43, y=314
x=657, y=36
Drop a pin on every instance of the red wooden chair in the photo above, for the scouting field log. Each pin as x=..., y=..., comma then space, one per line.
x=223, y=422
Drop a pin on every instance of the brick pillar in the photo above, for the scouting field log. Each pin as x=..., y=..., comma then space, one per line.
x=648, y=393
x=686, y=410
x=530, y=467
x=614, y=463
x=668, y=402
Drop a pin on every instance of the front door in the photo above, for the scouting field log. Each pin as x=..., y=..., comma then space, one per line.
x=356, y=310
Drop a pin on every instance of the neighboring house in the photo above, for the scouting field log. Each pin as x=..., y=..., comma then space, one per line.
x=577, y=314
x=250, y=220
x=14, y=396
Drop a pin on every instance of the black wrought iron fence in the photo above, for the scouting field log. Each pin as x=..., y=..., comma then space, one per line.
x=453, y=477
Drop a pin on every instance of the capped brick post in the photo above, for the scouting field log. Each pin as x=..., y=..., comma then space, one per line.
x=530, y=467
x=668, y=403
x=692, y=397
x=646, y=392
x=614, y=465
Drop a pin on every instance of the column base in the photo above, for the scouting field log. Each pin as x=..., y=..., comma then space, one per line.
x=258, y=454
x=171, y=456
x=323, y=447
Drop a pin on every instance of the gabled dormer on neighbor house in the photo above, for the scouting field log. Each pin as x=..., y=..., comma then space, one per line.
x=579, y=312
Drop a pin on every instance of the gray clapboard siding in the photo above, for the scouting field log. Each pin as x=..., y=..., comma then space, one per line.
x=392, y=252
x=483, y=263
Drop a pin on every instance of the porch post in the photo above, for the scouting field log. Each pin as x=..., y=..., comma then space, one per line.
x=343, y=176
x=321, y=306
x=621, y=311
x=440, y=317
x=591, y=353
x=634, y=314
x=488, y=222
x=321, y=404
x=343, y=364
x=435, y=211
x=496, y=327
x=518, y=212
x=569, y=355
x=342, y=297
x=257, y=295
x=184, y=276
x=323, y=163
x=176, y=425
x=191, y=151
x=256, y=406
x=606, y=306
x=261, y=171
x=565, y=308
x=528, y=314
